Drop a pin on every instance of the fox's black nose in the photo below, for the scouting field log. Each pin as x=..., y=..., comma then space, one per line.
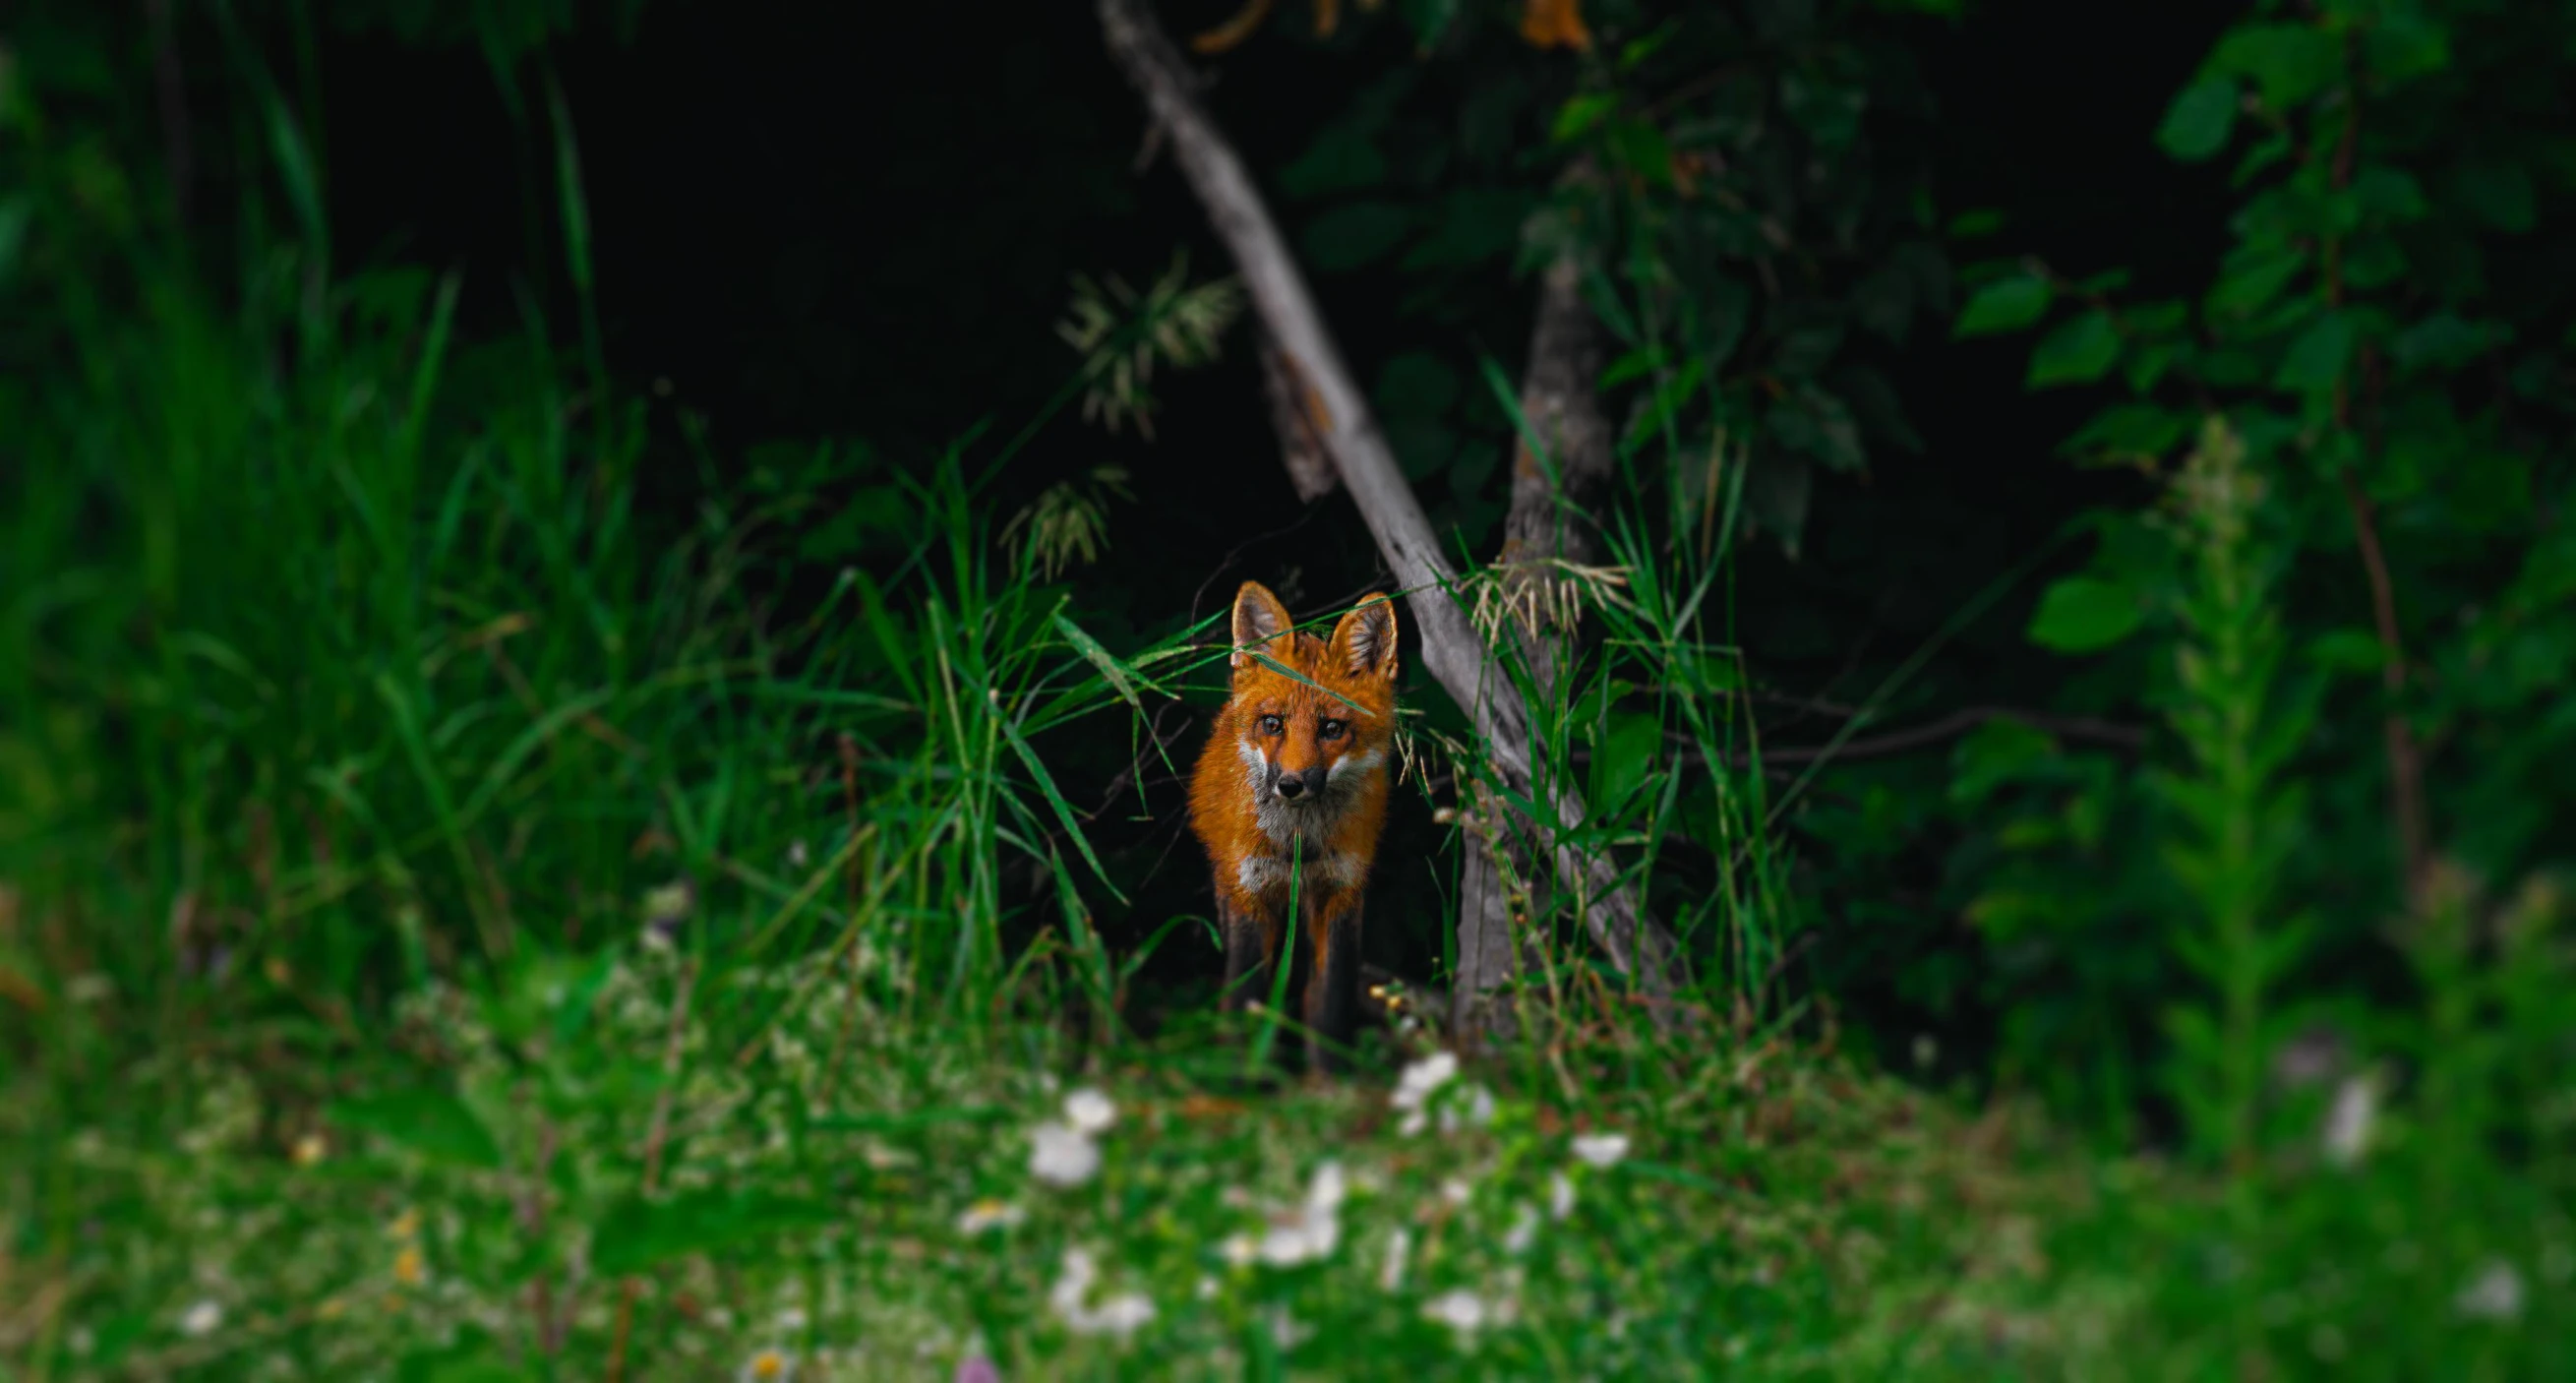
x=1291, y=785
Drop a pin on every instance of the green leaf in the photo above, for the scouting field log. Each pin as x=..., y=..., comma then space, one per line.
x=2498, y=192
x=2402, y=41
x=2316, y=359
x=2390, y=192
x=1968, y=225
x=1636, y=146
x=2197, y=124
x=1344, y=158
x=434, y=1123
x=636, y=1233
x=1582, y=113
x=2077, y=352
x=2130, y=432
x=1350, y=237
x=17, y=213
x=2250, y=280
x=1622, y=758
x=2288, y=63
x=2084, y=614
x=2347, y=650
x=2445, y=341
x=2004, y=305
x=1818, y=424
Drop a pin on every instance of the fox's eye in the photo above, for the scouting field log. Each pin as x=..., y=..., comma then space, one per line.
x=1270, y=725
x=1331, y=729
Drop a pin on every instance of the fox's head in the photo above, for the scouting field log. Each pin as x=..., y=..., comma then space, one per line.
x=1311, y=745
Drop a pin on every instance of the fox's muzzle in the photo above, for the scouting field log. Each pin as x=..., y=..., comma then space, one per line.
x=1293, y=787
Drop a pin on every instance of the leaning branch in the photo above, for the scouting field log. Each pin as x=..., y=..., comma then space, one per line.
x=1451, y=648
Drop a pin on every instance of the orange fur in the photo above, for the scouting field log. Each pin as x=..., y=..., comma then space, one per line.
x=1297, y=773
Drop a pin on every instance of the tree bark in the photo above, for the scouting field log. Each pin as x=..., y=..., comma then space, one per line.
x=1301, y=451
x=1451, y=649
x=1562, y=411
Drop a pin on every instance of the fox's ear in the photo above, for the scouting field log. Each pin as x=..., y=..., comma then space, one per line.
x=1364, y=641
x=1258, y=618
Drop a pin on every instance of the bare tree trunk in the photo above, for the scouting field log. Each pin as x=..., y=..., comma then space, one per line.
x=1301, y=449
x=1340, y=413
x=1562, y=411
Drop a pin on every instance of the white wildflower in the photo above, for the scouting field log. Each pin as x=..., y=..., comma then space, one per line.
x=791, y=1320
x=2349, y=1121
x=1524, y=1231
x=1089, y=1111
x=770, y=1365
x=1399, y=1249
x=2495, y=1294
x=1238, y=1250
x=1560, y=1195
x=1455, y=1190
x=1061, y=1155
x=202, y=1318
x=1413, y=1088
x=1600, y=1149
x=1459, y=1309
x=1476, y=1111
x=1121, y=1315
x=1311, y=1230
x=990, y=1214
x=1207, y=1286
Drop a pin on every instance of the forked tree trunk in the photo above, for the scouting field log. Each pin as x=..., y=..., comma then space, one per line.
x=1316, y=375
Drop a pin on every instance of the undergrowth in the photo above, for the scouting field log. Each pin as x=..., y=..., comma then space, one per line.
x=457, y=924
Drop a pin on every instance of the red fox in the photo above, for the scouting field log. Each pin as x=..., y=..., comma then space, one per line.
x=1298, y=772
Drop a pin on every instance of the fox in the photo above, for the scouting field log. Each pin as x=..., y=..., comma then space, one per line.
x=1294, y=780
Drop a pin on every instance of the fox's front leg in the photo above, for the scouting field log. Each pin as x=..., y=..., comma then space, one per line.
x=1251, y=950
x=1333, y=986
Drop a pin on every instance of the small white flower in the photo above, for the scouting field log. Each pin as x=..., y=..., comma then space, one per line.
x=1455, y=1190
x=202, y=1318
x=1329, y=1186
x=1560, y=1195
x=990, y=1214
x=2349, y=1121
x=1600, y=1149
x=1312, y=1230
x=1089, y=1111
x=2495, y=1294
x=1120, y=1315
x=1524, y=1231
x=1459, y=1309
x=1074, y=1276
x=796, y=854
x=1207, y=1287
x=1238, y=1250
x=791, y=1320
x=1399, y=1249
x=1476, y=1112
x=1413, y=1088
x=1061, y=1155
x=770, y=1365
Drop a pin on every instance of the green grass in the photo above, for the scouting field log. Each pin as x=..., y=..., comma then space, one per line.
x=453, y=928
